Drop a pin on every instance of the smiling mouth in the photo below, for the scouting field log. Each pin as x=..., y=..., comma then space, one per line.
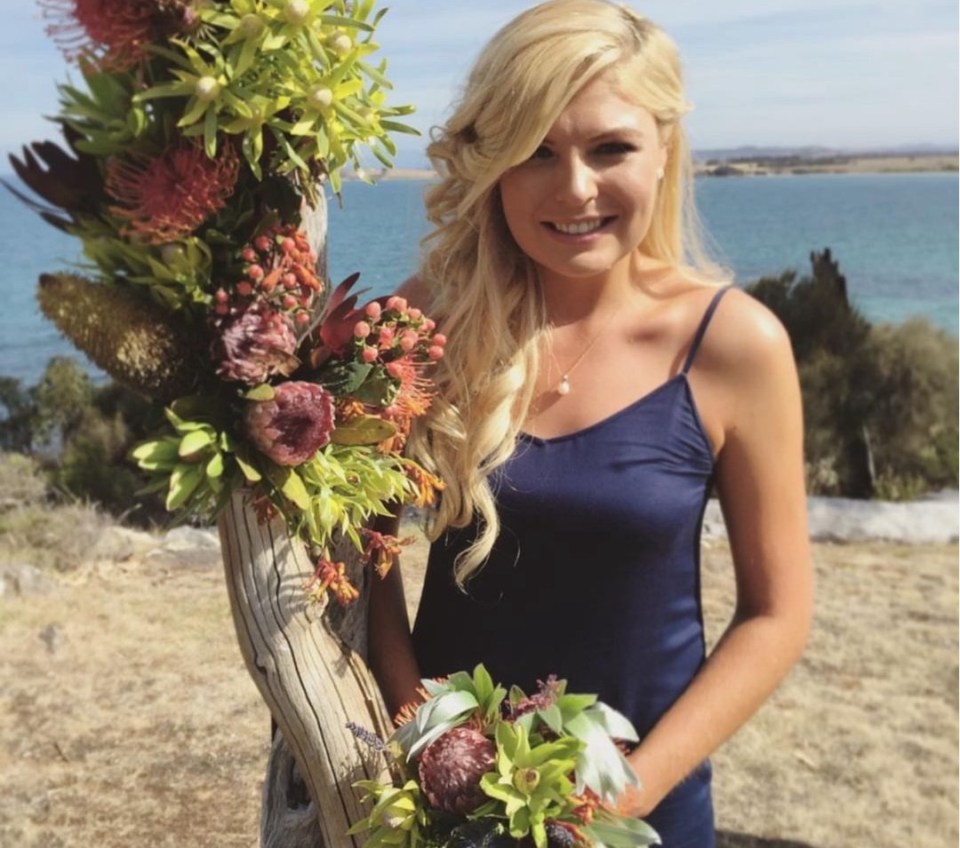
x=579, y=228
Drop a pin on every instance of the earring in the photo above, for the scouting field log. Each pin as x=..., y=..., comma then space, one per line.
x=659, y=173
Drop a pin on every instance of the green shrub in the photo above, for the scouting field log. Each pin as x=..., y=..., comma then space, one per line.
x=80, y=435
x=880, y=402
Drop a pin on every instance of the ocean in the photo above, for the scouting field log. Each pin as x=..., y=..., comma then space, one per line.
x=894, y=235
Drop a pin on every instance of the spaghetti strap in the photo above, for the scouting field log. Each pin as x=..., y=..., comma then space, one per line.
x=704, y=322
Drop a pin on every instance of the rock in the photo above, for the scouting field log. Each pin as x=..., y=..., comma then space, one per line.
x=119, y=544
x=933, y=520
x=22, y=579
x=914, y=523
x=52, y=636
x=187, y=547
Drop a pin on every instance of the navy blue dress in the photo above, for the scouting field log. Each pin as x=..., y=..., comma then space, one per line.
x=595, y=576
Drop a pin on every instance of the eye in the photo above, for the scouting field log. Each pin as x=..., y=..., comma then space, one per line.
x=542, y=152
x=615, y=148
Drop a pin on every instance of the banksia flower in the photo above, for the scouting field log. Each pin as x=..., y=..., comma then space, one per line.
x=134, y=340
x=255, y=345
x=451, y=768
x=292, y=426
x=166, y=198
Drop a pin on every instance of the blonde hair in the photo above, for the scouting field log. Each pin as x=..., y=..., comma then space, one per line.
x=483, y=286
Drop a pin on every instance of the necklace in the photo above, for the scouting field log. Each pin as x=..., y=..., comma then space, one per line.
x=564, y=387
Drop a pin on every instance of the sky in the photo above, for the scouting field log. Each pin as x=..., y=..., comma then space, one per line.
x=847, y=74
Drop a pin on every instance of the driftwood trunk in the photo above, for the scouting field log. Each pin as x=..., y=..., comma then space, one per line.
x=308, y=663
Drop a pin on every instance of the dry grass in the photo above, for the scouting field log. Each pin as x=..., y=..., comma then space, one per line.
x=126, y=717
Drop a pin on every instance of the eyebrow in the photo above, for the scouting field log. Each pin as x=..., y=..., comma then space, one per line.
x=612, y=132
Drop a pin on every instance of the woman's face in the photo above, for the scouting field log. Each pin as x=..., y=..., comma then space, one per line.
x=584, y=201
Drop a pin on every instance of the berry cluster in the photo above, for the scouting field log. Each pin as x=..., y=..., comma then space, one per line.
x=278, y=268
x=391, y=330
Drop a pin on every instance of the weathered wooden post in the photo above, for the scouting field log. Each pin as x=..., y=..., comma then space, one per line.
x=308, y=663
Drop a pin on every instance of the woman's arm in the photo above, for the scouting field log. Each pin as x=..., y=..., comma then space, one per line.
x=390, y=648
x=760, y=480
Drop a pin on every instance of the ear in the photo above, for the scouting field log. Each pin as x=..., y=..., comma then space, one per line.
x=665, y=135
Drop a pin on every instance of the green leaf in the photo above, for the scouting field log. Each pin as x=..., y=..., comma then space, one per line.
x=183, y=483
x=262, y=392
x=195, y=441
x=250, y=473
x=553, y=718
x=366, y=430
x=616, y=831
x=157, y=455
x=214, y=467
x=294, y=490
x=210, y=132
x=339, y=20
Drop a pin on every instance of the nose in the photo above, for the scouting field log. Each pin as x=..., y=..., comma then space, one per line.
x=576, y=181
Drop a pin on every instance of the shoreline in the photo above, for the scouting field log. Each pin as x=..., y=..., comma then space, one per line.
x=919, y=163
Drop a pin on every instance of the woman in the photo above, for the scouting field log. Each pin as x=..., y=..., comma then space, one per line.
x=598, y=380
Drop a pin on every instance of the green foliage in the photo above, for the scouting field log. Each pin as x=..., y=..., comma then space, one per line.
x=909, y=381
x=531, y=780
x=19, y=420
x=81, y=434
x=283, y=77
x=880, y=401
x=546, y=757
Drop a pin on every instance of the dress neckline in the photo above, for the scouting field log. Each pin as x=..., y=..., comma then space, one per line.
x=582, y=431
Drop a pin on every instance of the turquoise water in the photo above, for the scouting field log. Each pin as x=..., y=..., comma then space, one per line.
x=896, y=237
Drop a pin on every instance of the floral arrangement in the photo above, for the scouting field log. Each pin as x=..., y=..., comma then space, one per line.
x=477, y=767
x=194, y=145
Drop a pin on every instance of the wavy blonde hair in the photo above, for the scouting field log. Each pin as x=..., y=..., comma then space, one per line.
x=486, y=290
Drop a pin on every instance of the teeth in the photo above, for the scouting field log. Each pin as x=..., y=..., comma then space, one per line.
x=579, y=228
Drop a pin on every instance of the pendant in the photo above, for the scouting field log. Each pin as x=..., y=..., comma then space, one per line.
x=564, y=387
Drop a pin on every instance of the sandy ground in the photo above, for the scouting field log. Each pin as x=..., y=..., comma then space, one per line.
x=127, y=718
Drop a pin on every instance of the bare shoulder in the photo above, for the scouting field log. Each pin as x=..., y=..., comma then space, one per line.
x=744, y=338
x=416, y=291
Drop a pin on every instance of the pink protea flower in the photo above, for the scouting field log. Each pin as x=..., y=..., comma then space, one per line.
x=113, y=33
x=292, y=426
x=168, y=197
x=451, y=768
x=254, y=345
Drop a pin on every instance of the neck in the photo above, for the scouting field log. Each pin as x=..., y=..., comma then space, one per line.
x=579, y=299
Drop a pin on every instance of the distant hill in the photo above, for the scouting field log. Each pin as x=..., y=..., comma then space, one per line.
x=726, y=154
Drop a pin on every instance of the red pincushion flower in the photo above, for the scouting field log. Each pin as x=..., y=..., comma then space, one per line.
x=255, y=345
x=168, y=197
x=294, y=425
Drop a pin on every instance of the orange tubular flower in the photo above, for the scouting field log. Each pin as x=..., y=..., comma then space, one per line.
x=332, y=576
x=427, y=484
x=167, y=198
x=588, y=804
x=382, y=550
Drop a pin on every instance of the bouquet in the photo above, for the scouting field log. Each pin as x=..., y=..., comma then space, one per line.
x=194, y=145
x=477, y=767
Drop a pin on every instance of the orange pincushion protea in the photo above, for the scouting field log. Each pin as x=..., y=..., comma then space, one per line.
x=112, y=34
x=168, y=197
